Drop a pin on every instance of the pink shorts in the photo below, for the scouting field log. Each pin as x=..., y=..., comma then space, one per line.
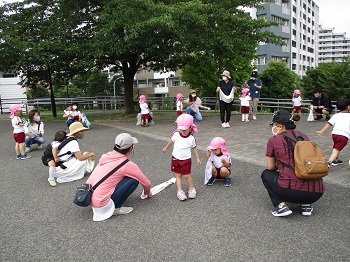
x=144, y=116
x=179, y=113
x=245, y=109
x=182, y=167
x=297, y=107
x=19, y=137
x=339, y=142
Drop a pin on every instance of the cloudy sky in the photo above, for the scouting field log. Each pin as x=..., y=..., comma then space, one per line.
x=335, y=13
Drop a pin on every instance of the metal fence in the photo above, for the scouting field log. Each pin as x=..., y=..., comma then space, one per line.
x=156, y=103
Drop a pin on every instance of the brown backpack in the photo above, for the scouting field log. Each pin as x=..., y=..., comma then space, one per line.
x=309, y=160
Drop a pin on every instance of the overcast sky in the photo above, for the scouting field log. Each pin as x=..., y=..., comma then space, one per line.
x=335, y=13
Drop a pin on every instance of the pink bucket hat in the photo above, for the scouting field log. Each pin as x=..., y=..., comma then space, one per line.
x=296, y=92
x=218, y=142
x=245, y=91
x=13, y=109
x=185, y=121
x=142, y=99
x=178, y=96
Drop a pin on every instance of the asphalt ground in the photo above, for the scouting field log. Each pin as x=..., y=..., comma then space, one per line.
x=41, y=223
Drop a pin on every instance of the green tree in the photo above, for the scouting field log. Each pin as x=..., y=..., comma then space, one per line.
x=278, y=81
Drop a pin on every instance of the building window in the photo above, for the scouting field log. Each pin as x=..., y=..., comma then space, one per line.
x=262, y=60
x=294, y=66
x=294, y=55
x=294, y=44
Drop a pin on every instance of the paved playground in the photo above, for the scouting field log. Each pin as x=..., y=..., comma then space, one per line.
x=41, y=223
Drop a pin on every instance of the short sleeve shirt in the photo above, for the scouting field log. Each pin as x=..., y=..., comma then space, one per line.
x=15, y=124
x=226, y=88
x=341, y=124
x=297, y=101
x=183, y=145
x=245, y=100
x=254, y=91
x=72, y=146
x=217, y=159
x=282, y=149
x=144, y=108
x=195, y=105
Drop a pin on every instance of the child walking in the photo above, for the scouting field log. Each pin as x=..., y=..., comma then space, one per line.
x=18, y=131
x=181, y=161
x=179, y=104
x=145, y=112
x=297, y=102
x=52, y=161
x=246, y=100
x=218, y=162
x=341, y=130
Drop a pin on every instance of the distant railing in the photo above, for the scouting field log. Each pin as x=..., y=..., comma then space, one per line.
x=156, y=103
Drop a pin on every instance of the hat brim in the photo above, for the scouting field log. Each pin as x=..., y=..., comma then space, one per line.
x=77, y=130
x=226, y=76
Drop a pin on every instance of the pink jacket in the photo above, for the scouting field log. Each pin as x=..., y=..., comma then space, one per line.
x=108, y=161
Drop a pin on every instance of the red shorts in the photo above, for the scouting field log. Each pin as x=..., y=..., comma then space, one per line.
x=144, y=116
x=179, y=113
x=339, y=142
x=182, y=167
x=19, y=137
x=245, y=109
x=218, y=176
x=297, y=108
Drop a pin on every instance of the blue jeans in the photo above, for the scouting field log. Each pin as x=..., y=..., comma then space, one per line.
x=34, y=140
x=123, y=190
x=196, y=117
x=70, y=121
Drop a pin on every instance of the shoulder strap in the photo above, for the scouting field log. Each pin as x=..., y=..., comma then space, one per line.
x=109, y=174
x=65, y=142
x=292, y=137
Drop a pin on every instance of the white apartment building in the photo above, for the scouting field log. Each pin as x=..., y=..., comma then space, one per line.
x=299, y=29
x=332, y=47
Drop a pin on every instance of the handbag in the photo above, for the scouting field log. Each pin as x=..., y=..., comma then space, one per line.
x=84, y=192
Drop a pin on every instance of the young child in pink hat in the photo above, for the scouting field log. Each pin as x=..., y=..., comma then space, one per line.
x=145, y=112
x=181, y=162
x=297, y=102
x=218, y=162
x=179, y=104
x=246, y=100
x=18, y=131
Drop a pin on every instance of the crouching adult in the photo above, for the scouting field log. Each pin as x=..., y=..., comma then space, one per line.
x=279, y=176
x=75, y=163
x=108, y=198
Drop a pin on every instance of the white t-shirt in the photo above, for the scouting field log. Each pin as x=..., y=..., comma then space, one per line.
x=55, y=144
x=245, y=100
x=34, y=128
x=297, y=101
x=75, y=113
x=144, y=109
x=183, y=145
x=72, y=146
x=195, y=105
x=67, y=112
x=179, y=106
x=341, y=124
x=217, y=159
x=17, y=128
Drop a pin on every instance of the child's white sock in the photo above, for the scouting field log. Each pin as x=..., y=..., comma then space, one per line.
x=243, y=117
x=246, y=116
x=52, y=171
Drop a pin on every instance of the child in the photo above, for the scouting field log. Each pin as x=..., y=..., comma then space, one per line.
x=145, y=112
x=218, y=162
x=181, y=162
x=341, y=130
x=297, y=102
x=18, y=131
x=245, y=104
x=60, y=136
x=68, y=113
x=179, y=104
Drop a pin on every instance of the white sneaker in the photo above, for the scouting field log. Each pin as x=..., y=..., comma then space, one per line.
x=40, y=147
x=227, y=124
x=27, y=149
x=122, y=211
x=254, y=117
x=192, y=193
x=223, y=125
x=247, y=120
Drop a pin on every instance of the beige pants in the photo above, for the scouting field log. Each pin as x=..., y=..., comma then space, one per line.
x=255, y=106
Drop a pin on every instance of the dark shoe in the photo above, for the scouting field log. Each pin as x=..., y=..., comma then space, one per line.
x=337, y=162
x=319, y=117
x=227, y=181
x=282, y=211
x=211, y=181
x=306, y=209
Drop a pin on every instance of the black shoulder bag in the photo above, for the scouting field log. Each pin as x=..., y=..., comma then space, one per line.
x=84, y=192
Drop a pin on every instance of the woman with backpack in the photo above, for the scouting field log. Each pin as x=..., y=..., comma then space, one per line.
x=279, y=177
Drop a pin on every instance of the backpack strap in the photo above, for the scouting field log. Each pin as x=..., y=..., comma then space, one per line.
x=65, y=142
x=293, y=137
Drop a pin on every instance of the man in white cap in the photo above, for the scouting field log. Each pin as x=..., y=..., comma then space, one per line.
x=108, y=197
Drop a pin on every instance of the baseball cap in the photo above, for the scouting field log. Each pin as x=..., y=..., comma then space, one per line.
x=125, y=140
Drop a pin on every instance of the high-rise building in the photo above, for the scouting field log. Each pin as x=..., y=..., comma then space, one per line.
x=332, y=47
x=299, y=23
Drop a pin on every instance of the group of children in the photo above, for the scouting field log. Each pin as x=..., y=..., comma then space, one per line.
x=74, y=115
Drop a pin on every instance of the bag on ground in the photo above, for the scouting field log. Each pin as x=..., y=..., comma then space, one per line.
x=309, y=159
x=83, y=195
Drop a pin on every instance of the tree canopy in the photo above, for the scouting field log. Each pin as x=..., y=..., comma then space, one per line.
x=61, y=38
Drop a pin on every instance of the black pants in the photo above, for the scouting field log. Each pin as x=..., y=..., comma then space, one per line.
x=225, y=108
x=279, y=194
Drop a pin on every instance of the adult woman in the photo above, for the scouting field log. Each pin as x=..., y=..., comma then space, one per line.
x=76, y=163
x=72, y=113
x=108, y=197
x=226, y=89
x=34, y=130
x=193, y=103
x=283, y=185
